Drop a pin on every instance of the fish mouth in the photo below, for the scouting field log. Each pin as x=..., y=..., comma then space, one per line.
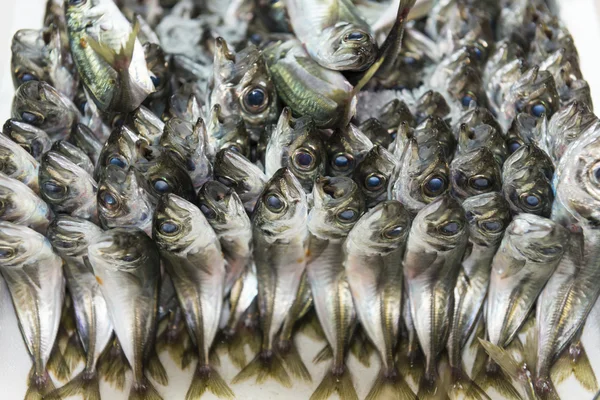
x=217, y=195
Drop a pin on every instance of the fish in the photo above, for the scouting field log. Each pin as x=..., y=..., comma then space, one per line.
x=122, y=200
x=504, y=67
x=164, y=175
x=421, y=176
x=108, y=56
x=346, y=148
x=93, y=118
x=372, y=255
x=474, y=117
x=280, y=240
x=373, y=174
x=374, y=130
x=147, y=125
x=67, y=188
x=70, y=238
x=431, y=264
x=126, y=265
x=31, y=138
x=84, y=138
x=482, y=136
x=196, y=265
x=39, y=104
x=527, y=129
x=187, y=143
x=226, y=131
x=333, y=33
x=569, y=295
x=34, y=275
x=475, y=172
x=433, y=131
x=338, y=204
x=235, y=171
x=487, y=216
x=17, y=163
x=526, y=181
x=21, y=206
x=157, y=63
x=392, y=114
x=430, y=104
x=120, y=149
x=74, y=154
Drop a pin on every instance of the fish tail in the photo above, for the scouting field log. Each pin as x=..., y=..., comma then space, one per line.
x=389, y=384
x=361, y=347
x=411, y=362
x=311, y=327
x=545, y=389
x=39, y=385
x=206, y=378
x=120, y=60
x=214, y=358
x=498, y=371
x=189, y=354
x=144, y=391
x=85, y=384
x=156, y=370
x=336, y=380
x=235, y=348
x=73, y=353
x=292, y=360
x=574, y=360
x=266, y=364
x=325, y=354
x=113, y=365
x=174, y=340
x=463, y=387
x=57, y=364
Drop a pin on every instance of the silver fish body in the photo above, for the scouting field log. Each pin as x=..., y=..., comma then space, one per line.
x=17, y=163
x=21, y=206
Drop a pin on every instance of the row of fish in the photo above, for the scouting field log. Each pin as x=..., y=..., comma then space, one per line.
x=206, y=177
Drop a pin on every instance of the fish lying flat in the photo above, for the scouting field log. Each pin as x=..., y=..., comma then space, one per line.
x=33, y=273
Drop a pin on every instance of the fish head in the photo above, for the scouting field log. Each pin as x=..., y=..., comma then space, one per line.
x=166, y=175
x=120, y=150
x=227, y=131
x=372, y=175
x=63, y=181
x=528, y=190
x=537, y=238
x=33, y=139
x=569, y=122
x=488, y=216
x=147, y=125
x=482, y=136
x=465, y=86
x=12, y=196
x=475, y=116
x=236, y=171
x=157, y=63
x=14, y=160
x=441, y=224
x=475, y=172
x=431, y=103
x=180, y=140
x=71, y=236
x=73, y=153
x=27, y=62
x=393, y=113
x=307, y=156
x=347, y=47
x=534, y=93
x=123, y=250
x=338, y=203
x=18, y=244
x=435, y=129
x=346, y=148
x=528, y=157
x=376, y=132
x=223, y=208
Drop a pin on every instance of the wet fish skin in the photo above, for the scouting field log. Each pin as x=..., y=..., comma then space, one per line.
x=39, y=104
x=147, y=125
x=430, y=104
x=74, y=154
x=226, y=131
x=527, y=129
x=165, y=174
x=346, y=148
x=33, y=273
x=373, y=174
x=33, y=139
x=475, y=116
x=21, y=206
x=235, y=171
x=482, y=136
x=85, y=139
x=126, y=263
x=475, y=172
x=17, y=163
x=67, y=188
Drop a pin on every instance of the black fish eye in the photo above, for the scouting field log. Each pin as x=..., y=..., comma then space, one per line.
x=54, y=190
x=355, y=36
x=255, y=100
x=513, y=146
x=435, y=185
x=118, y=121
x=492, y=226
x=304, y=159
x=208, y=212
x=82, y=107
x=6, y=252
x=539, y=109
x=28, y=117
x=274, y=202
x=168, y=228
x=374, y=182
x=467, y=98
x=26, y=77
x=76, y=2
x=451, y=228
x=531, y=201
x=478, y=52
x=347, y=215
x=117, y=160
x=155, y=81
x=548, y=251
x=256, y=38
x=108, y=200
x=128, y=258
x=235, y=148
x=342, y=162
x=480, y=183
x=161, y=186
x=596, y=173
x=408, y=60
x=394, y=232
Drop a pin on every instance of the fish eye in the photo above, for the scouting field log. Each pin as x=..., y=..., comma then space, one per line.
x=76, y=2
x=117, y=160
x=108, y=200
x=492, y=226
x=155, y=81
x=374, y=182
x=596, y=173
x=480, y=183
x=394, y=232
x=255, y=38
x=168, y=228
x=161, y=186
x=538, y=109
x=82, y=107
x=118, y=121
x=478, y=52
x=235, y=148
x=208, y=212
x=54, y=190
x=355, y=36
x=26, y=77
x=30, y=118
x=342, y=161
x=409, y=60
x=274, y=202
x=255, y=100
x=451, y=228
x=531, y=201
x=6, y=253
x=304, y=159
x=129, y=258
x=347, y=215
x=513, y=146
x=548, y=251
x=467, y=98
x=435, y=186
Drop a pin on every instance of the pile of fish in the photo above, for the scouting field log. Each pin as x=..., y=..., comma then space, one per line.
x=203, y=177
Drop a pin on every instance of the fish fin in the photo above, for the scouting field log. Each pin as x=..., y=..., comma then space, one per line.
x=326, y=353
x=311, y=327
x=57, y=364
x=361, y=347
x=189, y=355
x=206, y=378
x=174, y=339
x=214, y=358
x=339, y=382
x=390, y=385
x=292, y=360
x=144, y=391
x=86, y=385
x=119, y=60
x=463, y=387
x=113, y=365
x=74, y=354
x=578, y=365
x=266, y=364
x=39, y=386
x=156, y=370
x=236, y=350
x=411, y=363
